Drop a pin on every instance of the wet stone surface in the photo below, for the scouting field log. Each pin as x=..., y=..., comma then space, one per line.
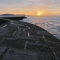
x=25, y=41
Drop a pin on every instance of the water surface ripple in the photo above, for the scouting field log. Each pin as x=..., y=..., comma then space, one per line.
x=51, y=24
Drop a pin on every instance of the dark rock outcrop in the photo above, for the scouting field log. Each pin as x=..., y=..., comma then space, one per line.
x=15, y=18
x=3, y=21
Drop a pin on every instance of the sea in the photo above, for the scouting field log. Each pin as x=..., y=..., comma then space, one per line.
x=49, y=23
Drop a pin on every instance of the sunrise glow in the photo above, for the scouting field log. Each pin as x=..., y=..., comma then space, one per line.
x=30, y=7
x=39, y=13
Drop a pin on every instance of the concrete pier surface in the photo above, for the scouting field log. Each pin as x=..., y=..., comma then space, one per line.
x=25, y=41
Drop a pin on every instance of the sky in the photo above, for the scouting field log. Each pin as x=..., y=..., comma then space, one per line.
x=30, y=7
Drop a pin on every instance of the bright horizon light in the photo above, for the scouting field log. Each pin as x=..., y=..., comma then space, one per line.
x=39, y=13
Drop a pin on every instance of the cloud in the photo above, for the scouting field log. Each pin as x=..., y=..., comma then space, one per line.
x=30, y=5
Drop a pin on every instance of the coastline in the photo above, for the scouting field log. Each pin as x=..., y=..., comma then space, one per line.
x=27, y=37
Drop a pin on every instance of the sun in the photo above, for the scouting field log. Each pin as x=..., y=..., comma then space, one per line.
x=39, y=13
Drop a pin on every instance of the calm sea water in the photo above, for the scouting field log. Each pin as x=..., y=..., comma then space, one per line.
x=51, y=24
